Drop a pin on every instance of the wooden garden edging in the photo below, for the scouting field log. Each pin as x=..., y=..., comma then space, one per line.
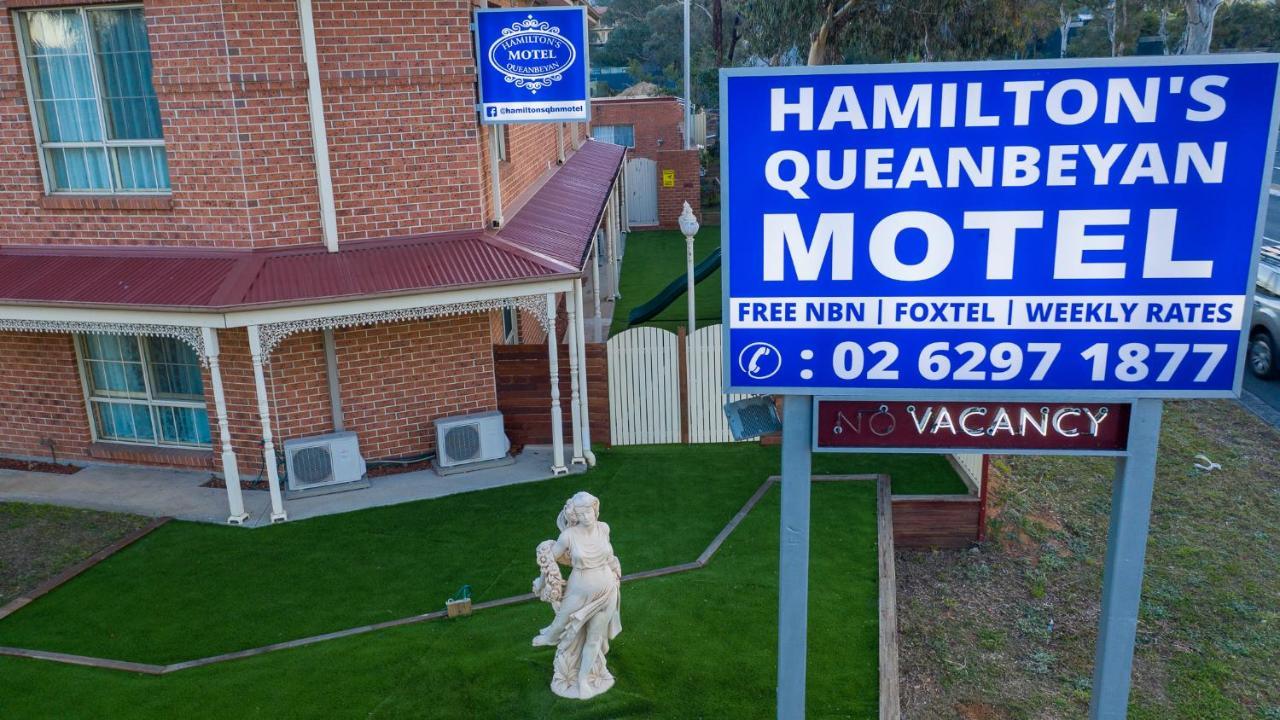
x=888, y=584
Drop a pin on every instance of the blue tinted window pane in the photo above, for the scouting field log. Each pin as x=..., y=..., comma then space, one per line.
x=616, y=134
x=115, y=367
x=141, y=168
x=124, y=64
x=78, y=168
x=62, y=77
x=123, y=421
x=175, y=369
x=183, y=426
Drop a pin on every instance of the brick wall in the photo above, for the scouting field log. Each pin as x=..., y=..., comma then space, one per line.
x=397, y=379
x=658, y=122
x=41, y=396
x=688, y=188
x=406, y=151
x=532, y=155
x=659, y=136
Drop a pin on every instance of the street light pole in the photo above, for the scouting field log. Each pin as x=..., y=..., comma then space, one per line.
x=688, y=100
x=689, y=226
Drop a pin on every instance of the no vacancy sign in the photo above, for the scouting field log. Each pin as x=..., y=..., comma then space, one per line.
x=1023, y=229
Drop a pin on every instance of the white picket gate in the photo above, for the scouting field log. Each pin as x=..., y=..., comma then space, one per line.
x=644, y=387
x=645, y=390
x=707, y=423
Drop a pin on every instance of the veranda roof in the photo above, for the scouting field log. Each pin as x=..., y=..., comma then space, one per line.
x=550, y=236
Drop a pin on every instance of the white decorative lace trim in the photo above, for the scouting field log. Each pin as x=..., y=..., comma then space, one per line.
x=272, y=334
x=191, y=335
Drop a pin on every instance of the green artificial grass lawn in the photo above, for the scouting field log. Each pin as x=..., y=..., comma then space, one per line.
x=696, y=645
x=655, y=258
x=191, y=590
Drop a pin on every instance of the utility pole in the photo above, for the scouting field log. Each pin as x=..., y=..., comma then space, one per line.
x=688, y=99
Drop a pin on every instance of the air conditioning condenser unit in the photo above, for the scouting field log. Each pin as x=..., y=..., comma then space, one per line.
x=322, y=460
x=470, y=439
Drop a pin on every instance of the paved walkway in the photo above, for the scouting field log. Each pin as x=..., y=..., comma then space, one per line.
x=178, y=494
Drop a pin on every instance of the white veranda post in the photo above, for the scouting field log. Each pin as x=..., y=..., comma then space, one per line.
x=582, y=380
x=595, y=276
x=557, y=419
x=611, y=240
x=618, y=228
x=264, y=413
x=230, y=471
x=571, y=341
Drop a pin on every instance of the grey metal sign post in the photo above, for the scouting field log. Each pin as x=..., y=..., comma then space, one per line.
x=1122, y=577
x=793, y=554
x=1126, y=556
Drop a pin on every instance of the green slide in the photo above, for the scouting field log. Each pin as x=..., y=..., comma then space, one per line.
x=673, y=290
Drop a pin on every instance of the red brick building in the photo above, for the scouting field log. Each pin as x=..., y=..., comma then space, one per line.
x=225, y=225
x=662, y=175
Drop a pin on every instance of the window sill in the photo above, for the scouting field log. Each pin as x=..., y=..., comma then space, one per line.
x=151, y=455
x=106, y=202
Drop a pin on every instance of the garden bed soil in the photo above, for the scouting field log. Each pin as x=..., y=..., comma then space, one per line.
x=385, y=470
x=220, y=484
x=39, y=466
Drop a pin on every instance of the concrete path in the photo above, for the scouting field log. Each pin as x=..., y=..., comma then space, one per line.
x=178, y=494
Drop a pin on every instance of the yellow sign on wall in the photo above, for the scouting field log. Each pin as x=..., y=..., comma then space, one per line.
x=669, y=178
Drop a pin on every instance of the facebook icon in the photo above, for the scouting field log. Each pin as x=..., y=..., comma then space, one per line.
x=491, y=112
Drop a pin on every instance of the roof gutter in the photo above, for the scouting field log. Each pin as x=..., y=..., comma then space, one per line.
x=319, y=136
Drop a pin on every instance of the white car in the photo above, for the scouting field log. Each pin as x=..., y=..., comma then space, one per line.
x=1264, y=330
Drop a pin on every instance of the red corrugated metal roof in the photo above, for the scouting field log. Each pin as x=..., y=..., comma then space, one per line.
x=429, y=263
x=548, y=237
x=560, y=218
x=52, y=275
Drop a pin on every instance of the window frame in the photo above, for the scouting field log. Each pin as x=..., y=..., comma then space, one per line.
x=151, y=401
x=113, y=168
x=613, y=133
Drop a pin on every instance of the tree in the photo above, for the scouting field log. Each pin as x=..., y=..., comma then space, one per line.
x=826, y=31
x=648, y=35
x=1247, y=26
x=1199, y=34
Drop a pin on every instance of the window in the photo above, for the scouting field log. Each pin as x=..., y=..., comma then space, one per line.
x=88, y=75
x=144, y=390
x=616, y=134
x=511, y=325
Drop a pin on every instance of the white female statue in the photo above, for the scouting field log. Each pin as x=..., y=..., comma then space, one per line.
x=587, y=606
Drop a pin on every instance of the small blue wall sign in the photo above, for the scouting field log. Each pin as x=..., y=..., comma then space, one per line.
x=1084, y=229
x=532, y=65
